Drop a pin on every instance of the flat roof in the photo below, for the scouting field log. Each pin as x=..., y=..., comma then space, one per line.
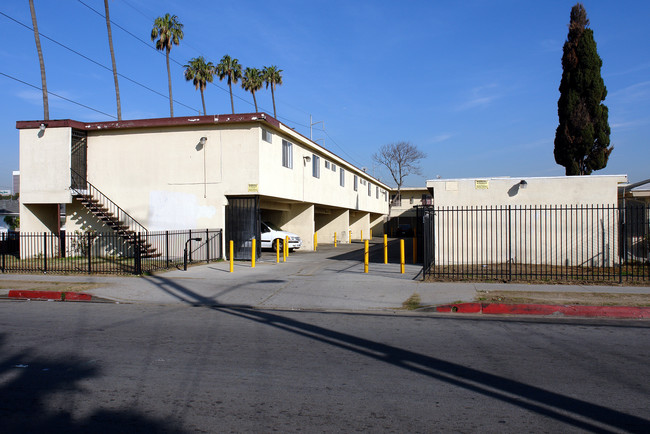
x=260, y=117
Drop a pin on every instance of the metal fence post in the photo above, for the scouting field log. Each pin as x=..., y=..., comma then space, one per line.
x=167, y=249
x=190, y=251
x=207, y=246
x=509, y=242
x=90, y=248
x=44, y=252
x=2, y=250
x=137, y=260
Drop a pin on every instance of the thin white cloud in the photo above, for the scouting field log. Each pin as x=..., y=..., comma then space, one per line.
x=633, y=92
x=551, y=45
x=440, y=138
x=479, y=97
x=629, y=124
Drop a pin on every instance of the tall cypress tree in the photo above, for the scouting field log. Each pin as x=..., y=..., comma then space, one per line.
x=582, y=138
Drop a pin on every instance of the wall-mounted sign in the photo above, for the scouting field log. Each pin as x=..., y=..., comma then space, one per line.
x=253, y=188
x=481, y=184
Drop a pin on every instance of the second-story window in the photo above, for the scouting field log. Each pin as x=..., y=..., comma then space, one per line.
x=369, y=189
x=342, y=177
x=377, y=192
x=315, y=166
x=287, y=154
x=266, y=136
x=356, y=182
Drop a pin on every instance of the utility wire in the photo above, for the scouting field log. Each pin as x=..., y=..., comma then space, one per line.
x=96, y=62
x=147, y=44
x=58, y=96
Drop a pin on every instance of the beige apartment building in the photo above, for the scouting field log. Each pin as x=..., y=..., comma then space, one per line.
x=191, y=173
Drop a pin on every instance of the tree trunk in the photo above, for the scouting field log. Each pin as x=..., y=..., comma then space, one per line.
x=232, y=104
x=273, y=97
x=203, y=101
x=169, y=78
x=110, y=44
x=255, y=101
x=46, y=106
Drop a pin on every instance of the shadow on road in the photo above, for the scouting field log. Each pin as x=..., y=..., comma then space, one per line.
x=572, y=411
x=29, y=382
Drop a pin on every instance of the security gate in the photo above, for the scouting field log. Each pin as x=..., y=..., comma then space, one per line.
x=242, y=225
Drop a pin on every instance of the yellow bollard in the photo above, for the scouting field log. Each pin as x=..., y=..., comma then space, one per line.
x=334, y=239
x=415, y=250
x=371, y=233
x=401, y=256
x=253, y=253
x=286, y=248
x=385, y=249
x=361, y=234
x=365, y=256
x=350, y=236
x=231, y=255
x=315, y=240
x=277, y=251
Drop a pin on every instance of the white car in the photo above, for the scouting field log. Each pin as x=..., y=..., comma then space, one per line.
x=271, y=234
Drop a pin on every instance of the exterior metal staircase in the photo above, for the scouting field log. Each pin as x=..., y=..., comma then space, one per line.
x=108, y=212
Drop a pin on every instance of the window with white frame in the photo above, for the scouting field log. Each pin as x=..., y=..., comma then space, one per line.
x=369, y=189
x=267, y=136
x=342, y=177
x=287, y=154
x=333, y=167
x=315, y=165
x=356, y=182
x=327, y=164
x=377, y=192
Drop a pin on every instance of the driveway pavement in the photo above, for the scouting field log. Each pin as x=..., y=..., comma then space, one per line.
x=330, y=279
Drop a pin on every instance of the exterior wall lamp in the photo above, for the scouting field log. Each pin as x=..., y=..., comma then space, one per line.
x=203, y=141
x=306, y=159
x=523, y=184
x=42, y=127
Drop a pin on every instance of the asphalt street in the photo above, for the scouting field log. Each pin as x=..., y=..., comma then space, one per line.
x=86, y=367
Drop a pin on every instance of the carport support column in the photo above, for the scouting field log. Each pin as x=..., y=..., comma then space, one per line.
x=301, y=221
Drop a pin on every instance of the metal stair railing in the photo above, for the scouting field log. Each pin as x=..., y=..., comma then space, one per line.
x=122, y=222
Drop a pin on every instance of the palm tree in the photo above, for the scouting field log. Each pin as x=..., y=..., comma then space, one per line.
x=46, y=106
x=169, y=32
x=273, y=76
x=252, y=82
x=229, y=67
x=200, y=72
x=110, y=44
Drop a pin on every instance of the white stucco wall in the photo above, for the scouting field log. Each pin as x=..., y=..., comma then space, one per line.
x=562, y=190
x=45, y=165
x=561, y=221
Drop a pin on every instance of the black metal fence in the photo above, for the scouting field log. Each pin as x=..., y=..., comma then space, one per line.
x=540, y=243
x=98, y=252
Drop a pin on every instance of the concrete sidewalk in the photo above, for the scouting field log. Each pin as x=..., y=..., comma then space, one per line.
x=330, y=279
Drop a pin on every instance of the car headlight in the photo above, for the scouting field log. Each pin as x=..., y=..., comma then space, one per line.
x=296, y=239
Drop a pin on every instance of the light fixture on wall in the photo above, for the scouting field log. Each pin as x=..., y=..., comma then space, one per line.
x=203, y=140
x=42, y=127
x=523, y=184
x=307, y=158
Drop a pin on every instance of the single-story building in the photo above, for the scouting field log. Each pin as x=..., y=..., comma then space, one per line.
x=221, y=171
x=563, y=221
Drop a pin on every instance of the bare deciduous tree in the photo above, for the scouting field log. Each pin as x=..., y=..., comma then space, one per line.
x=401, y=159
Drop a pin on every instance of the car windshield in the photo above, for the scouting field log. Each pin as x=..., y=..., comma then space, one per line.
x=272, y=226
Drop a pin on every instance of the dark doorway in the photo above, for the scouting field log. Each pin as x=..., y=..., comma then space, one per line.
x=242, y=225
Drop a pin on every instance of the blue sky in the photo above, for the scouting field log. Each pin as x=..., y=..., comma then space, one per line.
x=474, y=84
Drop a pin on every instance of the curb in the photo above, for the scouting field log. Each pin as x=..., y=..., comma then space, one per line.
x=48, y=295
x=547, y=309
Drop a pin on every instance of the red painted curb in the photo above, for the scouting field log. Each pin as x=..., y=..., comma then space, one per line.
x=48, y=295
x=548, y=309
